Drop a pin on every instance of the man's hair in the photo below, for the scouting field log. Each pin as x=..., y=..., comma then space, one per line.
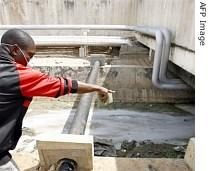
x=19, y=37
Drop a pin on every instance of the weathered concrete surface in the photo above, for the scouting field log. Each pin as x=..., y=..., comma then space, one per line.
x=129, y=74
x=60, y=61
x=167, y=126
x=188, y=77
x=183, y=57
x=187, y=107
x=131, y=82
x=27, y=158
x=68, y=12
x=54, y=147
x=145, y=12
x=124, y=164
x=176, y=15
x=190, y=154
x=27, y=162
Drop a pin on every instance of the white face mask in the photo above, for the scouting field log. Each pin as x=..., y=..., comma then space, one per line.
x=31, y=63
x=19, y=49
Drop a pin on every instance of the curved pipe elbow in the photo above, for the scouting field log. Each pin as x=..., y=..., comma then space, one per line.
x=169, y=86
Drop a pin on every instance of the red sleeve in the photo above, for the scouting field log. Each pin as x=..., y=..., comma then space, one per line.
x=36, y=83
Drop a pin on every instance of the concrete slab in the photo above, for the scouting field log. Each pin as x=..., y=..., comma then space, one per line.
x=134, y=164
x=54, y=147
x=187, y=107
x=190, y=154
x=27, y=162
x=161, y=126
x=53, y=62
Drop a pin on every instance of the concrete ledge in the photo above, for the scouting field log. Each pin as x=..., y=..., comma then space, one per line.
x=53, y=62
x=53, y=148
x=183, y=57
x=131, y=82
x=115, y=164
x=134, y=164
x=190, y=154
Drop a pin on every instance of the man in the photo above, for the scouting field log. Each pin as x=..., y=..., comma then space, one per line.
x=18, y=85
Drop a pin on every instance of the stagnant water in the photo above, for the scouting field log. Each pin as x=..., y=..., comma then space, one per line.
x=120, y=125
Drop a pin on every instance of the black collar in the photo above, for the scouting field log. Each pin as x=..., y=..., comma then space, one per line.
x=4, y=53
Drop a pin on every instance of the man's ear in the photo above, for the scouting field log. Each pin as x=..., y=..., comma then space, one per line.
x=15, y=50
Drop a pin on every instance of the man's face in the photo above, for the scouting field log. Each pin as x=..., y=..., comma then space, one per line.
x=23, y=56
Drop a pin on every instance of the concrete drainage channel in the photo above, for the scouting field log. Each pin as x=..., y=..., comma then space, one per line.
x=135, y=126
x=126, y=128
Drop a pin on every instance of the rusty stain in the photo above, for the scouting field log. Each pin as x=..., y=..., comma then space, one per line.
x=113, y=74
x=151, y=168
x=105, y=2
x=69, y=3
x=148, y=73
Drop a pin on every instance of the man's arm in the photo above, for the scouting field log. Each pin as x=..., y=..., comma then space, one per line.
x=35, y=83
x=87, y=88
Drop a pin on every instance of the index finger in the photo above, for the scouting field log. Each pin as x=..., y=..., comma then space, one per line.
x=111, y=91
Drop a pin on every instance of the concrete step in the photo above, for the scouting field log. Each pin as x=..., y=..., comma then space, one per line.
x=29, y=162
x=134, y=164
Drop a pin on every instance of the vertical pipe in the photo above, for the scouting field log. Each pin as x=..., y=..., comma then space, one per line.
x=165, y=58
x=159, y=51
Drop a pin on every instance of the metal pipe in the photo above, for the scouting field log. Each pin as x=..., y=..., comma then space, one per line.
x=165, y=57
x=162, y=48
x=67, y=165
x=67, y=27
x=80, y=40
x=157, y=59
x=80, y=118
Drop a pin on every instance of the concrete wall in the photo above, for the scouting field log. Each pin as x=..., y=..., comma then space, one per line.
x=189, y=157
x=130, y=75
x=68, y=11
x=132, y=84
x=177, y=15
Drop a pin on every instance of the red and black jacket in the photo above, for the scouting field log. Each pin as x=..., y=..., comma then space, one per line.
x=18, y=85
